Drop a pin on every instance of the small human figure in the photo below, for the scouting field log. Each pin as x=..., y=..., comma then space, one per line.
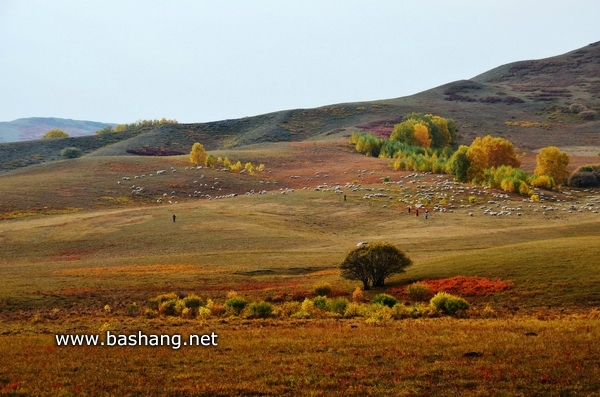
x=344, y=197
x=409, y=208
x=174, y=218
x=426, y=214
x=417, y=212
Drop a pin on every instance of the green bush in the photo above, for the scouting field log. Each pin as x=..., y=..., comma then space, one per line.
x=385, y=299
x=155, y=302
x=70, y=153
x=260, y=310
x=320, y=302
x=322, y=289
x=447, y=303
x=171, y=307
x=418, y=292
x=339, y=305
x=193, y=301
x=235, y=305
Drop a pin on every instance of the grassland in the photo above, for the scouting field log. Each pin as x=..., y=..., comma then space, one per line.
x=77, y=248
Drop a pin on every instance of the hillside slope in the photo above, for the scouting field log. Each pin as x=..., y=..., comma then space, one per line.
x=536, y=103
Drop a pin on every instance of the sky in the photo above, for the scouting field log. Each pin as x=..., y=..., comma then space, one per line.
x=121, y=61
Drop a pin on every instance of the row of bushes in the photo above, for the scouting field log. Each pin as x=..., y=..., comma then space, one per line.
x=382, y=308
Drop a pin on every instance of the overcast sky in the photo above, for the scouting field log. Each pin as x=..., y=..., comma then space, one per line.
x=195, y=61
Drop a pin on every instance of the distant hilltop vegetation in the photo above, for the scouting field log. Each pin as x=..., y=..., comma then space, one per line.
x=33, y=128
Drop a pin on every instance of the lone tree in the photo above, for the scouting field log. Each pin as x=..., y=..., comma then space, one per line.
x=198, y=155
x=372, y=263
x=53, y=134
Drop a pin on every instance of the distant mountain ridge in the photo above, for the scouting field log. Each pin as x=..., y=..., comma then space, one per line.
x=31, y=128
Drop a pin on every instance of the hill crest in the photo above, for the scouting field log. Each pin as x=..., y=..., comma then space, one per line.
x=535, y=103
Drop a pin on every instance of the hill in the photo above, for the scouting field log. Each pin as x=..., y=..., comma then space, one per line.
x=32, y=128
x=534, y=103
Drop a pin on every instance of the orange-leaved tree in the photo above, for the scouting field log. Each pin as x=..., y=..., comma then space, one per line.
x=422, y=134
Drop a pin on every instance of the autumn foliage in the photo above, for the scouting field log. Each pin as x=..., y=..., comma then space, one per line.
x=553, y=163
x=464, y=286
x=425, y=131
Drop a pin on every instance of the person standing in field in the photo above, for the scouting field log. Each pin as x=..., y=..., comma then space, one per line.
x=174, y=218
x=426, y=214
x=409, y=208
x=417, y=212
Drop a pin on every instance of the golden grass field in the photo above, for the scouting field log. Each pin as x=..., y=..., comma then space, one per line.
x=77, y=248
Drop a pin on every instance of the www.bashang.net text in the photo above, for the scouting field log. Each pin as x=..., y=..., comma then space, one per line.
x=175, y=341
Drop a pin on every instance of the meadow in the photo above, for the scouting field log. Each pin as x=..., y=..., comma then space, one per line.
x=78, y=248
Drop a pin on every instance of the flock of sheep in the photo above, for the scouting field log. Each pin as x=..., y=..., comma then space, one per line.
x=417, y=190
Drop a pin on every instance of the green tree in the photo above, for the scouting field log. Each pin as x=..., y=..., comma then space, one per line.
x=460, y=163
x=198, y=154
x=54, y=134
x=372, y=263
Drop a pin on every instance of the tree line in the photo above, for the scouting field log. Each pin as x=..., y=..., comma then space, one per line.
x=424, y=143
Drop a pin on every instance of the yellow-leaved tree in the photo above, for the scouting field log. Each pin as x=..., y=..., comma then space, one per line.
x=499, y=151
x=478, y=163
x=198, y=154
x=53, y=134
x=552, y=162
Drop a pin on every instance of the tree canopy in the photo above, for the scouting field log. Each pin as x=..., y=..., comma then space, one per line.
x=552, y=162
x=425, y=131
x=372, y=263
x=54, y=134
x=198, y=155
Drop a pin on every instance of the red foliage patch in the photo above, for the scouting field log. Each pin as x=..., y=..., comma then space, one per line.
x=462, y=286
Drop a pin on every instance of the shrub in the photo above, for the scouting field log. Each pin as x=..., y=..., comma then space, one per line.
x=322, y=289
x=289, y=308
x=192, y=301
x=385, y=300
x=300, y=296
x=132, y=310
x=378, y=315
x=155, y=302
x=339, y=305
x=70, y=153
x=215, y=308
x=352, y=310
x=320, y=302
x=204, y=313
x=447, y=303
x=307, y=306
x=358, y=295
x=400, y=311
x=584, y=179
x=171, y=307
x=419, y=292
x=260, y=310
x=235, y=305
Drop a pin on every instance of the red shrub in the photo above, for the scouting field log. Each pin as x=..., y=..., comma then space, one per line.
x=461, y=286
